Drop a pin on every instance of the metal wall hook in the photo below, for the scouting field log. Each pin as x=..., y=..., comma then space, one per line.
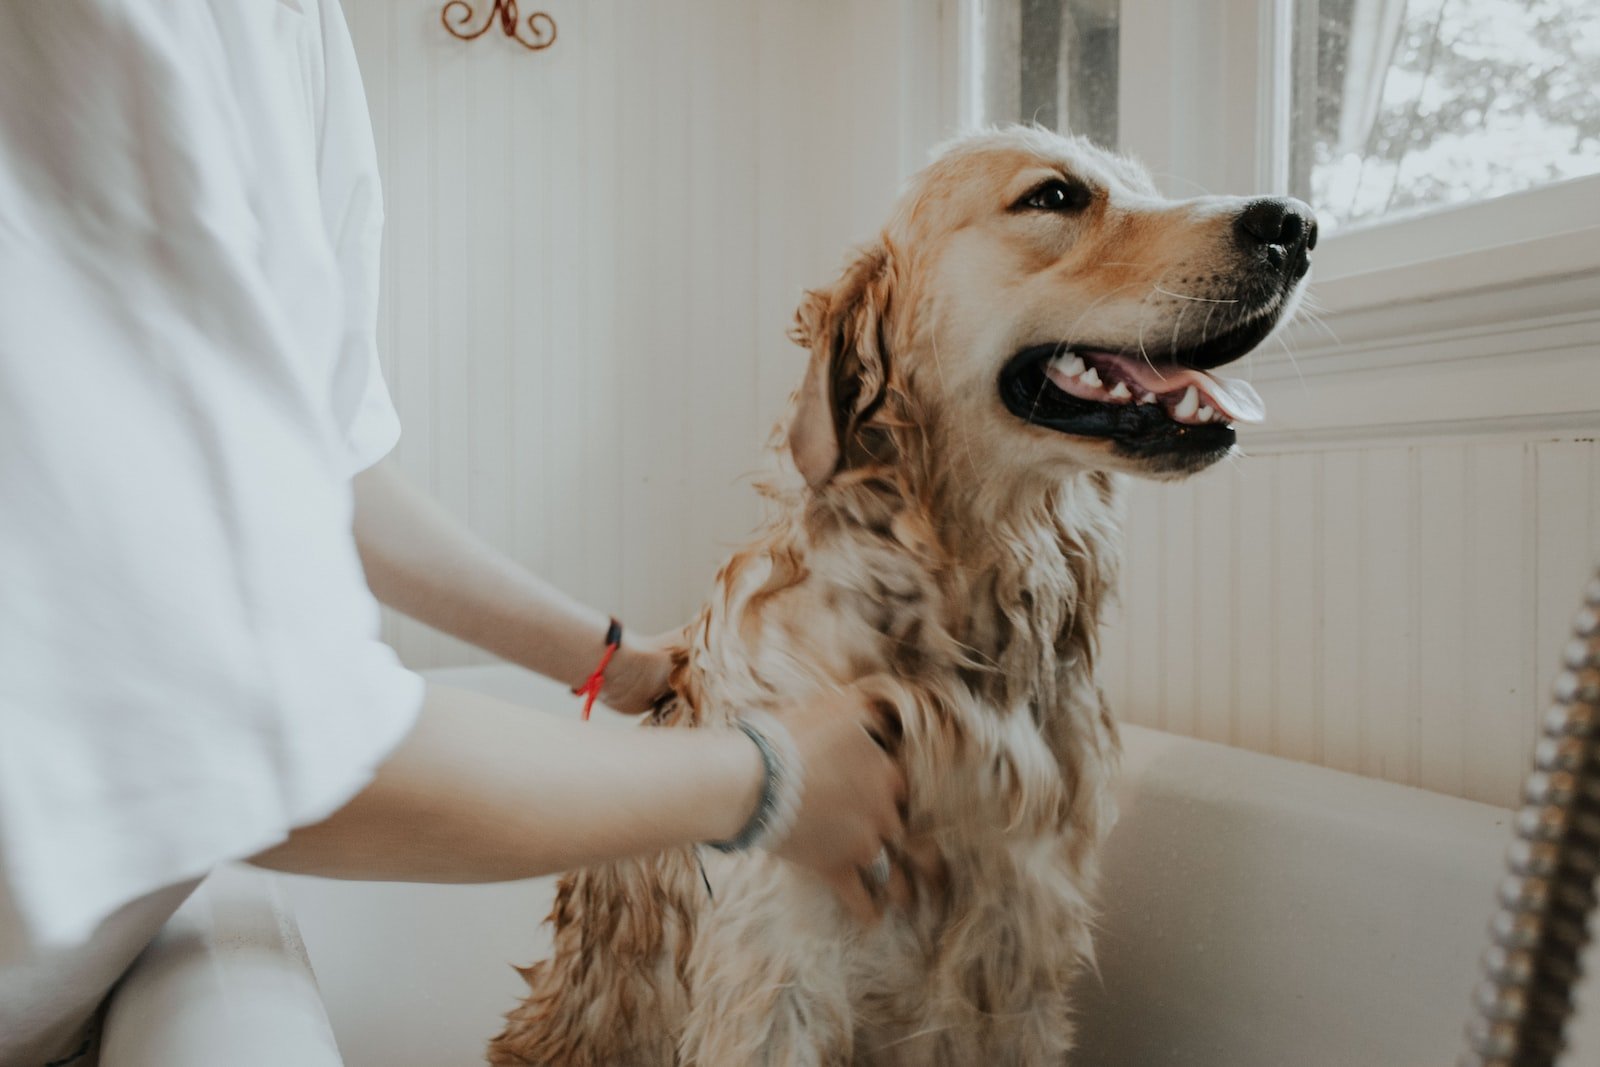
x=541, y=28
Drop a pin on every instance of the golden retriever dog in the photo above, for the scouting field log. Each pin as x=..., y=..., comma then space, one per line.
x=1034, y=322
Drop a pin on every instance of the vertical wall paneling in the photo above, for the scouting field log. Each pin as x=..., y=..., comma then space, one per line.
x=1496, y=712
x=549, y=214
x=723, y=227
x=1141, y=600
x=596, y=445
x=458, y=366
x=1395, y=610
x=1215, y=567
x=593, y=256
x=650, y=200
x=1295, y=602
x=1386, y=652
x=1340, y=692
x=1180, y=610
x=1254, y=639
x=489, y=198
x=1442, y=620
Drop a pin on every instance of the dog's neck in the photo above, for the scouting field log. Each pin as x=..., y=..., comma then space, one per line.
x=1019, y=578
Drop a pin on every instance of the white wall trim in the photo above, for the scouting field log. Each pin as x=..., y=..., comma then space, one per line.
x=1425, y=343
x=1451, y=232
x=1513, y=265
x=1577, y=425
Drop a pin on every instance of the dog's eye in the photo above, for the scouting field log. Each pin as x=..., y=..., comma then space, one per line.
x=1058, y=195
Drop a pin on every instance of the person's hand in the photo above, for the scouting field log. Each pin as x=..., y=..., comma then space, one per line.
x=851, y=800
x=637, y=675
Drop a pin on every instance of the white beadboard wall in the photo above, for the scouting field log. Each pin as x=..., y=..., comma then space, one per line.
x=593, y=254
x=1396, y=611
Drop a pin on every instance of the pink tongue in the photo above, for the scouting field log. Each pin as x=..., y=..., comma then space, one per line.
x=1234, y=397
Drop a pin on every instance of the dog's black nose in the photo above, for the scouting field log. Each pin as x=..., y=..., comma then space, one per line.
x=1284, y=228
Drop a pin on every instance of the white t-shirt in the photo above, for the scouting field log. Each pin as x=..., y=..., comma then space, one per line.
x=189, y=658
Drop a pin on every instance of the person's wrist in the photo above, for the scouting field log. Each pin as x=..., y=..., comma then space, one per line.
x=640, y=674
x=592, y=656
x=743, y=770
x=778, y=804
x=625, y=664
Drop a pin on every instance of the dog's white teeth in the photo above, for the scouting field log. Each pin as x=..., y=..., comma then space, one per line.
x=1068, y=364
x=1120, y=391
x=1189, y=405
x=1148, y=398
x=1204, y=414
x=1091, y=377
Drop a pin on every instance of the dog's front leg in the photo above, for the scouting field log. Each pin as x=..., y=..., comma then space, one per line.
x=769, y=976
x=611, y=994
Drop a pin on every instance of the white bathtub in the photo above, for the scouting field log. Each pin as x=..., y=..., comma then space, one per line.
x=1257, y=913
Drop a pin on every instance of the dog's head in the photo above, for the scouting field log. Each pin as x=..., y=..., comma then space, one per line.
x=1037, y=304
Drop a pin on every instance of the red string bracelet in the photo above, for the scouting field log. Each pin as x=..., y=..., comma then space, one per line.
x=590, y=689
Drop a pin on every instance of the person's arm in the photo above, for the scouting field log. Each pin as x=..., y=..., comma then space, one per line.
x=482, y=791
x=419, y=561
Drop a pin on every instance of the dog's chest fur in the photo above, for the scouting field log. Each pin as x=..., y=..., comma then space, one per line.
x=985, y=646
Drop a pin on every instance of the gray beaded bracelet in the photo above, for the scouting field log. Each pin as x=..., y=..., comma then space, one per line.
x=775, y=812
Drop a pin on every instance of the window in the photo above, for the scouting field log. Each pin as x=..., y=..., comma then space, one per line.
x=1053, y=62
x=1399, y=106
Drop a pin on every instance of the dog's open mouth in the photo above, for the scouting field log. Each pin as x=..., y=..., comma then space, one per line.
x=1146, y=406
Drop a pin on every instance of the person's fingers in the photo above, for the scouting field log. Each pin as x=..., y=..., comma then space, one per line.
x=854, y=799
x=852, y=893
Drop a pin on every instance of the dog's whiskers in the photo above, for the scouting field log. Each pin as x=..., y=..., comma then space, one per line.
x=1177, y=325
x=1295, y=363
x=1073, y=328
x=1197, y=299
x=1142, y=350
x=1313, y=316
x=1034, y=410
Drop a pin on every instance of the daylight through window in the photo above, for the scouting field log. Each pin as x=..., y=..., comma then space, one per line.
x=1404, y=105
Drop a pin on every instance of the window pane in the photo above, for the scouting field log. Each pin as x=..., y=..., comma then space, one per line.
x=1053, y=62
x=1404, y=105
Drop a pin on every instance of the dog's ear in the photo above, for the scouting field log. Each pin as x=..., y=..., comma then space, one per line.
x=848, y=375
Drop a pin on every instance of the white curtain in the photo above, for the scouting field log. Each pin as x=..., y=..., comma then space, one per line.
x=1374, y=32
